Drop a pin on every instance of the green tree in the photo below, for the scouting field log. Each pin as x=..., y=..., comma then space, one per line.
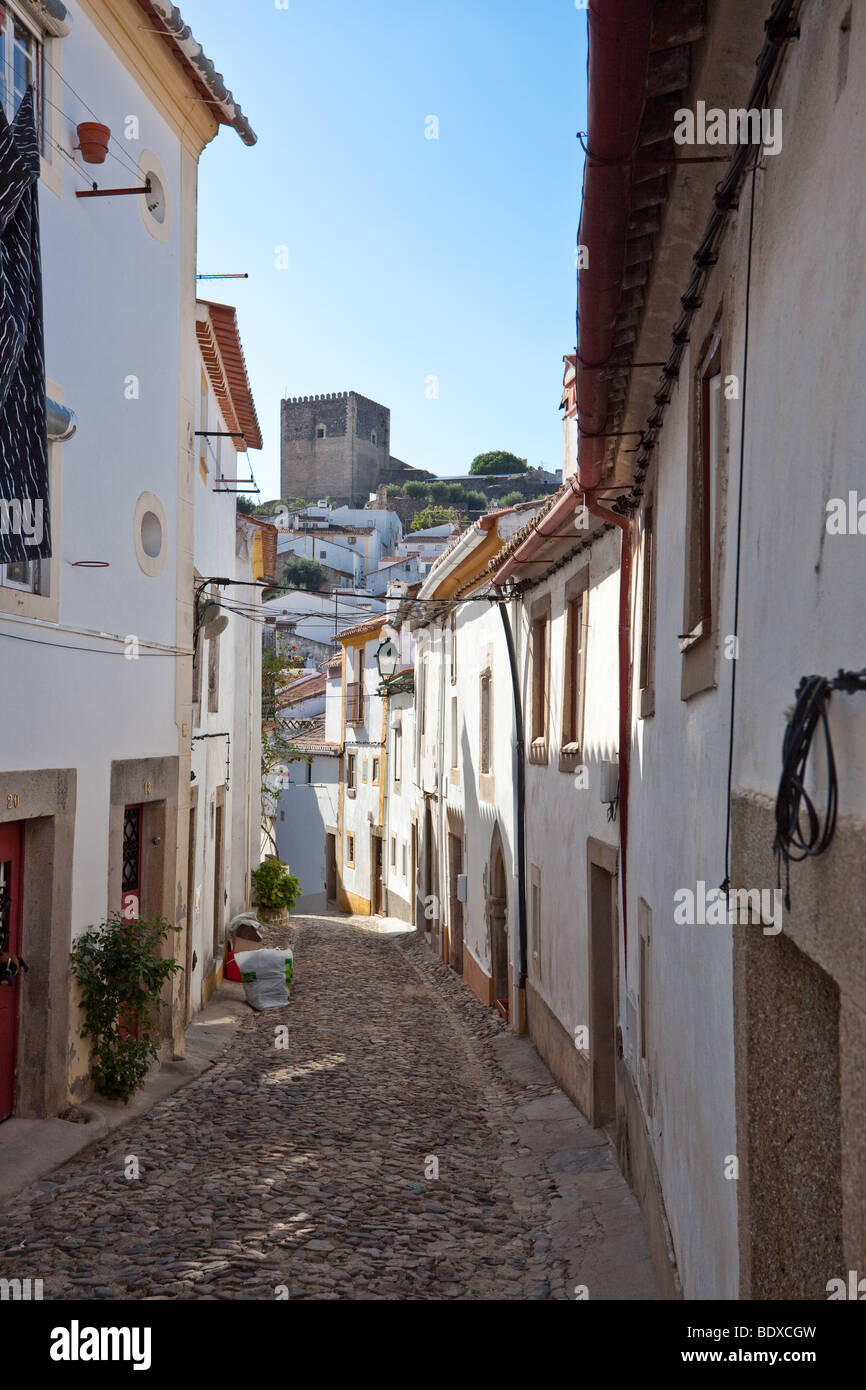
x=416, y=488
x=475, y=501
x=394, y=490
x=497, y=461
x=246, y=505
x=455, y=493
x=510, y=499
x=433, y=516
x=439, y=491
x=302, y=573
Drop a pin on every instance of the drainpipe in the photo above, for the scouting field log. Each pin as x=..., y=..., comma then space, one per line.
x=60, y=422
x=520, y=807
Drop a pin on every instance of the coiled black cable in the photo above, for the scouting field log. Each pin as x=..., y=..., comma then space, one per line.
x=801, y=832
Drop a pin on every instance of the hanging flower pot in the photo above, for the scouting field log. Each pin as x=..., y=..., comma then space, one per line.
x=93, y=141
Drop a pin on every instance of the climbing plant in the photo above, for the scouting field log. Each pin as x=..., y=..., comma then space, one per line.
x=121, y=973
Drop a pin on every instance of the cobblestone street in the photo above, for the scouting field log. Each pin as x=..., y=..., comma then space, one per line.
x=304, y=1172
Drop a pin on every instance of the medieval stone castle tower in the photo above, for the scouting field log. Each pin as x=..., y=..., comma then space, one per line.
x=337, y=446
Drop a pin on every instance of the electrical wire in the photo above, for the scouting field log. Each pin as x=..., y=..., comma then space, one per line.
x=801, y=833
x=740, y=485
x=100, y=651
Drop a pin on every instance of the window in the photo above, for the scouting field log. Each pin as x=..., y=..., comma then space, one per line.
x=320, y=431
x=453, y=627
x=703, y=480
x=538, y=656
x=393, y=851
x=26, y=575
x=373, y=437
x=574, y=670
x=647, y=626
x=352, y=540
x=398, y=753
x=486, y=717
x=20, y=66
x=705, y=460
x=213, y=665
x=422, y=697
x=350, y=850
x=375, y=777
x=404, y=859
x=454, y=748
x=351, y=773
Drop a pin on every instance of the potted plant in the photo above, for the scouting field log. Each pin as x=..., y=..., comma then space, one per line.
x=93, y=138
x=276, y=891
x=121, y=972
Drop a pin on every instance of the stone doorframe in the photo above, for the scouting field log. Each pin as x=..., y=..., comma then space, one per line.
x=44, y=802
x=152, y=783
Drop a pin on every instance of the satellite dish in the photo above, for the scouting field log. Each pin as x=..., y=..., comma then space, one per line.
x=213, y=629
x=209, y=614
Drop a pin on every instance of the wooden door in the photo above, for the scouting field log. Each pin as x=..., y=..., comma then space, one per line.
x=602, y=994
x=10, y=941
x=218, y=885
x=377, y=874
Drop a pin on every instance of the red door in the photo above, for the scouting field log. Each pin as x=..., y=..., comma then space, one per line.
x=10, y=940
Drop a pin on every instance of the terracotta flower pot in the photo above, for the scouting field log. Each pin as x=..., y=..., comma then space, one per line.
x=93, y=139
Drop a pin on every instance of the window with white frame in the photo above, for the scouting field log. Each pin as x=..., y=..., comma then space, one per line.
x=31, y=576
x=398, y=753
x=21, y=60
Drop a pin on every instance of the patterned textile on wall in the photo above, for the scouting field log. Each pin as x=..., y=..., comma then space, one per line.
x=24, y=513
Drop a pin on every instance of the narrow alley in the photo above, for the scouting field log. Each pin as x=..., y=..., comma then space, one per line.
x=307, y=1171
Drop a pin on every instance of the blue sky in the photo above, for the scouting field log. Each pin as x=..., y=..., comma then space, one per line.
x=408, y=258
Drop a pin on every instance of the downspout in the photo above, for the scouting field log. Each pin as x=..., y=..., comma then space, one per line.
x=520, y=808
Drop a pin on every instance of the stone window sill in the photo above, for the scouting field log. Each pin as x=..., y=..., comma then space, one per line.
x=647, y=702
x=570, y=757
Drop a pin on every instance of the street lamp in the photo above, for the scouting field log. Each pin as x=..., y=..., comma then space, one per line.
x=387, y=657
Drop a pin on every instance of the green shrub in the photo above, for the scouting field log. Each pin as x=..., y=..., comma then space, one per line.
x=275, y=886
x=439, y=491
x=433, y=516
x=510, y=499
x=415, y=488
x=475, y=501
x=121, y=975
x=455, y=494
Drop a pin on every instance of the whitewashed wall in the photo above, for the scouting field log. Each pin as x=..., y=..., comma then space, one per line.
x=111, y=295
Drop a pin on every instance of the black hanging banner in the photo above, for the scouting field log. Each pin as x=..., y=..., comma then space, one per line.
x=24, y=512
